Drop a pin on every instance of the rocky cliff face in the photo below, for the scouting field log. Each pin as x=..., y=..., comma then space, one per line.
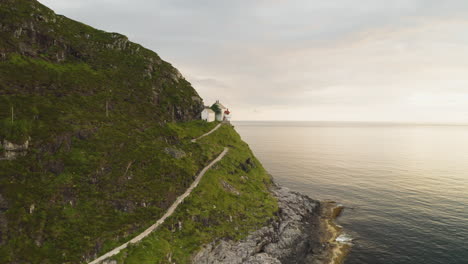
x=292, y=238
x=63, y=57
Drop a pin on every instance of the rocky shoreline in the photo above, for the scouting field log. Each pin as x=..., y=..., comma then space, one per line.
x=304, y=232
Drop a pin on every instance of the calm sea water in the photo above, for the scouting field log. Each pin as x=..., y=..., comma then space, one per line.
x=405, y=186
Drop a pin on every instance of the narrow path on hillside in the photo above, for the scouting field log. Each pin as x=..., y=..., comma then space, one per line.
x=169, y=212
x=206, y=134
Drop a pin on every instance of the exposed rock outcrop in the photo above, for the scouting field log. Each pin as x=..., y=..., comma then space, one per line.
x=175, y=153
x=229, y=188
x=12, y=150
x=292, y=238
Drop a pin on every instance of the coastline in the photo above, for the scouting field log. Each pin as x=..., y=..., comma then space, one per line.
x=304, y=232
x=335, y=251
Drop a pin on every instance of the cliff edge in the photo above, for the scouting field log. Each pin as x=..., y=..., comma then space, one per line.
x=300, y=234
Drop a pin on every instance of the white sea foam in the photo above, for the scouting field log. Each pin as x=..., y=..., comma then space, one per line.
x=344, y=239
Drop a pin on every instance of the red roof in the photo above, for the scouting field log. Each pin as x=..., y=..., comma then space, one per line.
x=227, y=112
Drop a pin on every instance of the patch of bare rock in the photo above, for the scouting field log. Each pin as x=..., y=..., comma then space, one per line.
x=295, y=237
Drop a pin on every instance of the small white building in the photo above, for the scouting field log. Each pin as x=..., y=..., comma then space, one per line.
x=220, y=116
x=208, y=115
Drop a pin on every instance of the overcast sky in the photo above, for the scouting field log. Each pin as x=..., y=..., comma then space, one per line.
x=346, y=60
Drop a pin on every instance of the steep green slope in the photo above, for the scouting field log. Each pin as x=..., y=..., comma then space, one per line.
x=232, y=200
x=95, y=107
x=44, y=54
x=107, y=151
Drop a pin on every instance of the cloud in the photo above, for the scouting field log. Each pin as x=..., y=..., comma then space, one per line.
x=298, y=59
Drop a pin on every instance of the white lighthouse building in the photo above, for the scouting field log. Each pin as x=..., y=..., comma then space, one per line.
x=222, y=108
x=209, y=115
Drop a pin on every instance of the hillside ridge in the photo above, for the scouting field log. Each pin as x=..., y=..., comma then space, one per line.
x=96, y=144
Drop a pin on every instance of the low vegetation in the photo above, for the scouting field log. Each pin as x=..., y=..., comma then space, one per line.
x=15, y=131
x=101, y=113
x=231, y=201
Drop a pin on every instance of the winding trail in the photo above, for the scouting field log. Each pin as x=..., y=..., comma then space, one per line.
x=169, y=211
x=206, y=134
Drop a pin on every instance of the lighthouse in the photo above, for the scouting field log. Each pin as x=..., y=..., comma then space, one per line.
x=227, y=115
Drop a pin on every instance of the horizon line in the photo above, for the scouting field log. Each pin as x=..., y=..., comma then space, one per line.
x=366, y=122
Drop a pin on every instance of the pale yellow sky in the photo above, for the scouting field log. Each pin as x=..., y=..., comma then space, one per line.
x=404, y=60
x=415, y=74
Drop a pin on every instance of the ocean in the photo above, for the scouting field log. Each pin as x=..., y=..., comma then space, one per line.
x=405, y=187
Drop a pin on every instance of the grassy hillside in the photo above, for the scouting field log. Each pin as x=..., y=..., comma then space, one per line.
x=108, y=124
x=231, y=201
